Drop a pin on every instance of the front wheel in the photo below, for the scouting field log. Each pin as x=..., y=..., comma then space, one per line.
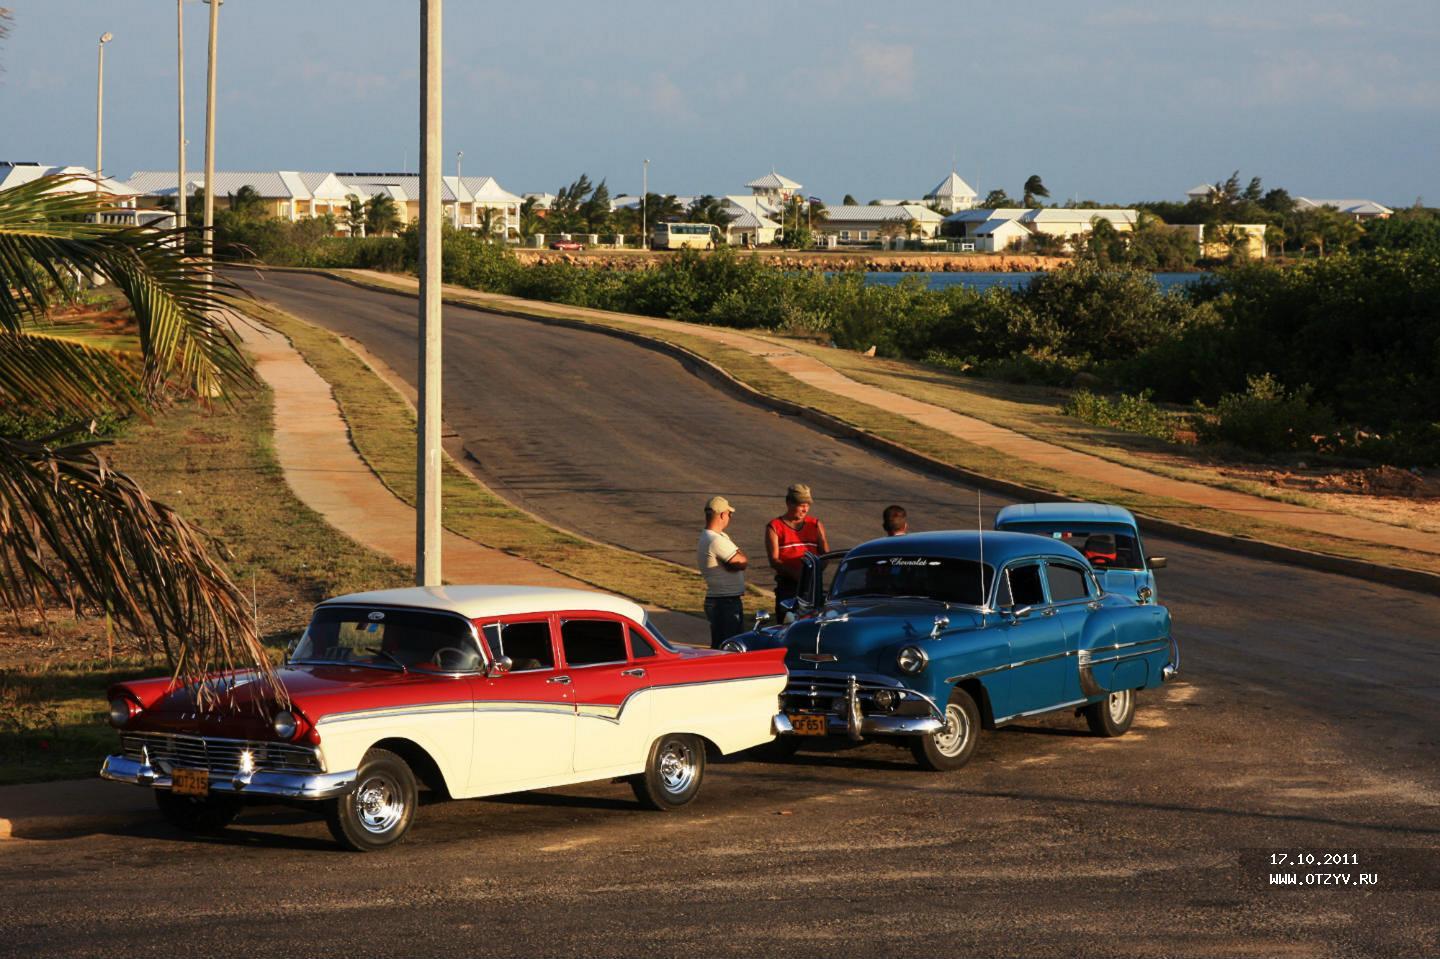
x=952, y=746
x=672, y=773
x=1112, y=715
x=379, y=812
x=195, y=814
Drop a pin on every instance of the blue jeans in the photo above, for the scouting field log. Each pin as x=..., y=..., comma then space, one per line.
x=727, y=618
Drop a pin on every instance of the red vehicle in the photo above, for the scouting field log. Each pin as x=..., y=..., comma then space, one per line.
x=467, y=690
x=566, y=245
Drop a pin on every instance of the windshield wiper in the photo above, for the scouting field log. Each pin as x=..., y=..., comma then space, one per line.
x=393, y=659
x=349, y=662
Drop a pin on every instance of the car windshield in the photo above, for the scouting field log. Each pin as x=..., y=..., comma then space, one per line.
x=653, y=629
x=932, y=577
x=407, y=639
x=1104, y=547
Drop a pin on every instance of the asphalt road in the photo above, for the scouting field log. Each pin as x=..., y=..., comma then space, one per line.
x=1306, y=723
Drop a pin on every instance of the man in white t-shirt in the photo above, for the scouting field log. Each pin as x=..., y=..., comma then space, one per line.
x=723, y=566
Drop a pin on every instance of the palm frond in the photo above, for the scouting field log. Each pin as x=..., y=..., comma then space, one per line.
x=65, y=373
x=71, y=525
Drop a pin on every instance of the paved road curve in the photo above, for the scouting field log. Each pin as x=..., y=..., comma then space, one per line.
x=1307, y=722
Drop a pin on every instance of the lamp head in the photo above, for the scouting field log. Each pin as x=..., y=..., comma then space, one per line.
x=106, y=37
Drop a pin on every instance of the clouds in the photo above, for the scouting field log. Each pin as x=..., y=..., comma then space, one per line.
x=869, y=70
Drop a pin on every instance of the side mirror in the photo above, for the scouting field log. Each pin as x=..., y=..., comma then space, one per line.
x=1155, y=562
x=1018, y=613
x=499, y=668
x=762, y=616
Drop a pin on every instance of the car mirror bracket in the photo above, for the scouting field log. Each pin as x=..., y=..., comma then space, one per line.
x=499, y=667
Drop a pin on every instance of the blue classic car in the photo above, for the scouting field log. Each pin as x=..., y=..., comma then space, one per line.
x=926, y=639
x=1107, y=535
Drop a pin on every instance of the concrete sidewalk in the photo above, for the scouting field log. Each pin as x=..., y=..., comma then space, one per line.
x=817, y=374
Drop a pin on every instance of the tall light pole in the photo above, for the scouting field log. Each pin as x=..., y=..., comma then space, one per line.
x=427, y=458
x=100, y=111
x=180, y=72
x=644, y=201
x=210, y=132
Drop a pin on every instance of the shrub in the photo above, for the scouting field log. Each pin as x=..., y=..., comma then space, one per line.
x=1267, y=418
x=1133, y=413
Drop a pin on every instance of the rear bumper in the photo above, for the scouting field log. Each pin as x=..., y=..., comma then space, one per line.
x=310, y=786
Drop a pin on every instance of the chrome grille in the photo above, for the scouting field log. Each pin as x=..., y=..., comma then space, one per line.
x=825, y=692
x=217, y=755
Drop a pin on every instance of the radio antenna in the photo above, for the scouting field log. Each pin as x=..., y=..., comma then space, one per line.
x=980, y=527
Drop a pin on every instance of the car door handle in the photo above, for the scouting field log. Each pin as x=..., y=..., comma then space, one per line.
x=637, y=671
x=1050, y=612
x=560, y=680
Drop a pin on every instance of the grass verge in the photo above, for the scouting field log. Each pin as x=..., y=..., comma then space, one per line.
x=926, y=384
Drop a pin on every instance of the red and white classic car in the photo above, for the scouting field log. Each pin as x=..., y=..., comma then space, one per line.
x=468, y=690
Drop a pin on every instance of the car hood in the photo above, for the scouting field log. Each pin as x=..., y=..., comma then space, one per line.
x=866, y=640
x=1126, y=582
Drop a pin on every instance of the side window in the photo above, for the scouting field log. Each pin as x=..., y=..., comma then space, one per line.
x=1020, y=586
x=1067, y=583
x=527, y=644
x=640, y=647
x=589, y=642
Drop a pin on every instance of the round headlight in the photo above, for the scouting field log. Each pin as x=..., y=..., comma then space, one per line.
x=912, y=659
x=284, y=724
x=733, y=646
x=119, y=712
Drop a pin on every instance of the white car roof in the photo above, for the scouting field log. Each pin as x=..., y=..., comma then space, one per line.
x=477, y=602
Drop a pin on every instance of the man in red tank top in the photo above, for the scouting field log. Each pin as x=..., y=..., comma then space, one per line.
x=788, y=538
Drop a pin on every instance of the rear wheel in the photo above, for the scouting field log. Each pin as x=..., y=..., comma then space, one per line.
x=209, y=814
x=672, y=774
x=1112, y=715
x=952, y=746
x=379, y=812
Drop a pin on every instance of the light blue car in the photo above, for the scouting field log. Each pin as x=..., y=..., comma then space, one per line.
x=1107, y=536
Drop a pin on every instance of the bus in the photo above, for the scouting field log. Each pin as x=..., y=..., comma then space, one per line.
x=681, y=236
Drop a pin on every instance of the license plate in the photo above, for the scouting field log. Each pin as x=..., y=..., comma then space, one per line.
x=190, y=782
x=806, y=725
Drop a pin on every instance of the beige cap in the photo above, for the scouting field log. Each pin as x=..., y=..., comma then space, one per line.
x=718, y=504
x=799, y=493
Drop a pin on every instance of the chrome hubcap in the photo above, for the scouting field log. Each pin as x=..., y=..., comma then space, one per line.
x=1120, y=705
x=951, y=740
x=677, y=767
x=378, y=805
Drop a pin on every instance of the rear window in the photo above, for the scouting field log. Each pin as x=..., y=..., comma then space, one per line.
x=388, y=638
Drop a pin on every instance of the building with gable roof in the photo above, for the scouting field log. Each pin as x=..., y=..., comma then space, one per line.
x=774, y=188
x=1357, y=209
x=997, y=230
x=284, y=194
x=867, y=224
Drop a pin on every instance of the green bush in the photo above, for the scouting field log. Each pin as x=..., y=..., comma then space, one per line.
x=1133, y=413
x=1267, y=418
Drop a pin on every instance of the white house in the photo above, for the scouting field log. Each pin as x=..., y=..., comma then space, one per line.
x=14, y=174
x=994, y=231
x=774, y=188
x=1358, y=209
x=952, y=194
x=1201, y=191
x=286, y=194
x=866, y=224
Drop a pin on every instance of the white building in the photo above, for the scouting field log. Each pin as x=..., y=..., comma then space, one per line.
x=994, y=231
x=15, y=174
x=774, y=188
x=1358, y=209
x=952, y=194
x=285, y=194
x=867, y=224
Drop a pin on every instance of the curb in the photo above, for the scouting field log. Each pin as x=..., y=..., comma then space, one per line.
x=1409, y=579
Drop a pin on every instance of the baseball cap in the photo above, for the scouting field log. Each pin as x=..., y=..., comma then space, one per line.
x=799, y=493
x=718, y=504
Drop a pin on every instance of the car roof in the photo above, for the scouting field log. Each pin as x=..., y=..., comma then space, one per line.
x=997, y=547
x=1064, y=513
x=477, y=602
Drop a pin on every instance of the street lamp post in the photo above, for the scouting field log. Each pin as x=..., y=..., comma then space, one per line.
x=460, y=155
x=180, y=166
x=100, y=110
x=644, y=201
x=428, y=461
x=210, y=132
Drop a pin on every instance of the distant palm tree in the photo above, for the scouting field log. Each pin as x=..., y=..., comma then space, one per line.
x=708, y=209
x=71, y=526
x=1034, y=189
x=381, y=216
x=354, y=215
x=247, y=201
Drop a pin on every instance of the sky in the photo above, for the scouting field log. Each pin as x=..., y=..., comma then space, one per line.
x=1110, y=101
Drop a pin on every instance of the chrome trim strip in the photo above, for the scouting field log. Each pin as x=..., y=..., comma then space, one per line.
x=1037, y=712
x=392, y=712
x=314, y=786
x=1081, y=653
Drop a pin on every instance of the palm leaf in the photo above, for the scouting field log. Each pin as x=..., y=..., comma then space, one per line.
x=65, y=373
x=71, y=524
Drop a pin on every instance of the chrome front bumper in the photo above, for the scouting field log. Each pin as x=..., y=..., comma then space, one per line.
x=857, y=725
x=313, y=786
